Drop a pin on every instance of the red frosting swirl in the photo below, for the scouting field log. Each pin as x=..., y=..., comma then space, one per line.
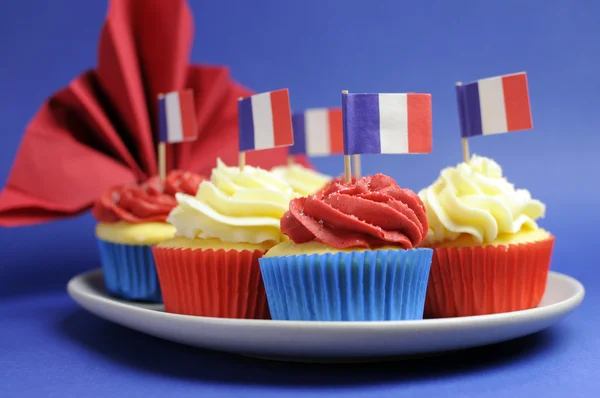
x=150, y=201
x=373, y=211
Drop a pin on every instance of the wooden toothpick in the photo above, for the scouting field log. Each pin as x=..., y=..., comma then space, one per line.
x=162, y=154
x=357, y=167
x=465, y=142
x=241, y=155
x=347, y=160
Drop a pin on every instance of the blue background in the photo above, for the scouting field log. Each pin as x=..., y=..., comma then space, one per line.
x=316, y=48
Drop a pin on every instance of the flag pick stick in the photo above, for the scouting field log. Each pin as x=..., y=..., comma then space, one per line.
x=357, y=168
x=465, y=149
x=162, y=155
x=162, y=161
x=347, y=160
x=241, y=154
x=290, y=160
x=465, y=143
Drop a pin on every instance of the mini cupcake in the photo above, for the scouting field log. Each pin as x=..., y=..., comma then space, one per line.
x=351, y=255
x=131, y=219
x=490, y=255
x=304, y=181
x=211, y=267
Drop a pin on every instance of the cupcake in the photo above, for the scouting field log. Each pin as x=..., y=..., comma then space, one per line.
x=304, y=181
x=211, y=267
x=131, y=219
x=351, y=255
x=490, y=255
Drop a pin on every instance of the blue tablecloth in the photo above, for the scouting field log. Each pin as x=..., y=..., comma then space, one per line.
x=49, y=347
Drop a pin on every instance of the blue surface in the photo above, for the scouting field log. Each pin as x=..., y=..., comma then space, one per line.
x=48, y=347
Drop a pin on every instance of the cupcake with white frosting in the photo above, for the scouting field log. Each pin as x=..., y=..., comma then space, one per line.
x=490, y=254
x=303, y=180
x=211, y=267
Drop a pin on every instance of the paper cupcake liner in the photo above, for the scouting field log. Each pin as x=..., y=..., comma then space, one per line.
x=359, y=286
x=487, y=280
x=224, y=284
x=129, y=271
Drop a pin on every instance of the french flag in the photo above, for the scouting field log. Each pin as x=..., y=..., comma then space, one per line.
x=265, y=121
x=494, y=105
x=386, y=123
x=318, y=132
x=177, y=117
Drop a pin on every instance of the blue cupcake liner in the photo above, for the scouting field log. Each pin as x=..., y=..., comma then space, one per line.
x=129, y=271
x=380, y=285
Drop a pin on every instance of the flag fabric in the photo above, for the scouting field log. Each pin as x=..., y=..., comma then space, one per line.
x=494, y=105
x=177, y=117
x=386, y=123
x=265, y=121
x=318, y=132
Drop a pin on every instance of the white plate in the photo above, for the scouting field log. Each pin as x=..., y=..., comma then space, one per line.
x=329, y=341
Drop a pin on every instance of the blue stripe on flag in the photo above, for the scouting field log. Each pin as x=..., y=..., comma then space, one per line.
x=299, y=146
x=471, y=110
x=162, y=120
x=246, y=124
x=360, y=113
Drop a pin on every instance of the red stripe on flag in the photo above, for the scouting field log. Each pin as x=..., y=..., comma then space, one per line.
x=336, y=133
x=419, y=122
x=516, y=101
x=282, y=118
x=188, y=115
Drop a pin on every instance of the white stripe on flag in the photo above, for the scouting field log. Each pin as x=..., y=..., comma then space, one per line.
x=173, y=113
x=262, y=115
x=316, y=125
x=393, y=123
x=493, y=110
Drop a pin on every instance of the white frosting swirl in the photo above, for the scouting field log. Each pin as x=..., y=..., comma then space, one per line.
x=303, y=180
x=234, y=206
x=474, y=198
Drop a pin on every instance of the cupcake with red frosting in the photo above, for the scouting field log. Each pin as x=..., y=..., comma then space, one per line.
x=132, y=219
x=352, y=255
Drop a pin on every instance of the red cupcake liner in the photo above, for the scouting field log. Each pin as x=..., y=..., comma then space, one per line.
x=214, y=283
x=487, y=280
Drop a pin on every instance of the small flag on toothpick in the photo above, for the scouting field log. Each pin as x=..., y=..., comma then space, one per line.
x=176, y=123
x=318, y=132
x=493, y=106
x=386, y=123
x=265, y=122
x=177, y=117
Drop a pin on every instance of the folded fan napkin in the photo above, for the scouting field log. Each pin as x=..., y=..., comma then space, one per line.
x=101, y=130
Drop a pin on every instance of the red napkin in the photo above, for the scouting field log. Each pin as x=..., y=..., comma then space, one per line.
x=100, y=131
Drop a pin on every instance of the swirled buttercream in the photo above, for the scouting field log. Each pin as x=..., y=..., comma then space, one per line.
x=303, y=180
x=234, y=206
x=474, y=198
x=369, y=212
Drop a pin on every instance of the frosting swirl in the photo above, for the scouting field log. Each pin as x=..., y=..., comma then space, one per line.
x=234, y=206
x=146, y=202
x=474, y=198
x=304, y=181
x=370, y=212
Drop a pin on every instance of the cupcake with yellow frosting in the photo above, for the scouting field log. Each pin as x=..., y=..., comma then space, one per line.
x=304, y=181
x=132, y=218
x=352, y=255
x=490, y=255
x=211, y=267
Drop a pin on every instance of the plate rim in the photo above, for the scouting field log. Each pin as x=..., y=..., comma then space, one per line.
x=424, y=324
